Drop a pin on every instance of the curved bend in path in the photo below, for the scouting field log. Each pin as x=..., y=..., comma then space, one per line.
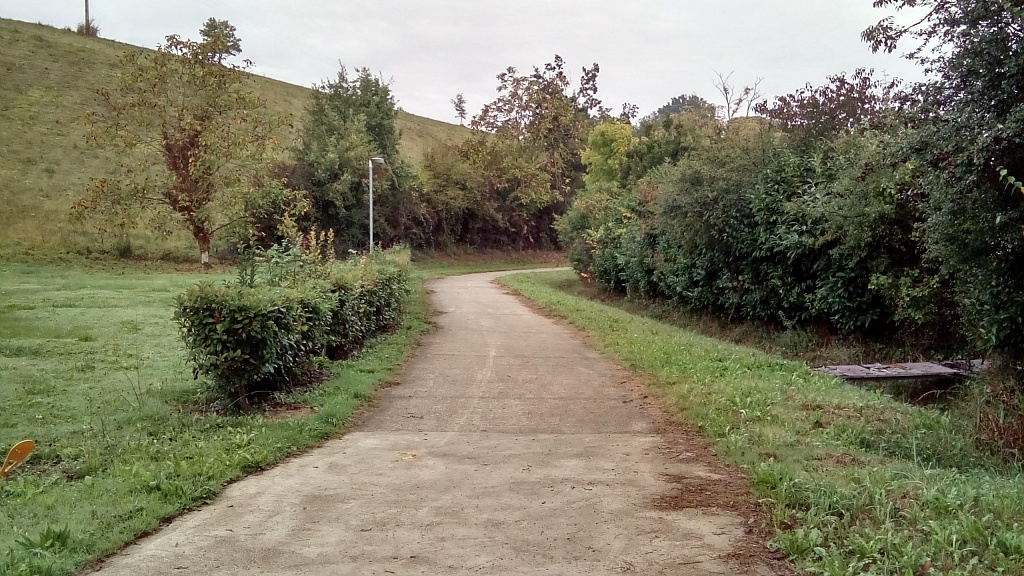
x=509, y=447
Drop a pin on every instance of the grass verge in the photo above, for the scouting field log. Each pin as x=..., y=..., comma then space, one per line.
x=91, y=368
x=853, y=482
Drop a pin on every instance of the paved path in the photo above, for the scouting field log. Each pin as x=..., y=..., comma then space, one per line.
x=509, y=447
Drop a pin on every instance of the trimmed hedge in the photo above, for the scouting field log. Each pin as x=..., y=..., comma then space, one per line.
x=370, y=296
x=249, y=340
x=257, y=340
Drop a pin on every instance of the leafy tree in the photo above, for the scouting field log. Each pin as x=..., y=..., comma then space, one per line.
x=1003, y=172
x=192, y=138
x=968, y=123
x=459, y=102
x=348, y=121
x=488, y=193
x=668, y=141
x=677, y=105
x=542, y=110
x=364, y=96
x=844, y=103
x=607, y=147
x=506, y=186
x=220, y=40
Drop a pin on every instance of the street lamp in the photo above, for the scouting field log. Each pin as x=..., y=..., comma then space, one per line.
x=371, y=163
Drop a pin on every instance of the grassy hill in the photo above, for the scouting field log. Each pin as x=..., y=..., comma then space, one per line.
x=49, y=81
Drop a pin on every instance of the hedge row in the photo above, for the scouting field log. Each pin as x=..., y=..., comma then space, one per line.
x=251, y=341
x=750, y=227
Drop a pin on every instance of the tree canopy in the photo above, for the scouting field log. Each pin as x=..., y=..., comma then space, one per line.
x=967, y=124
x=192, y=138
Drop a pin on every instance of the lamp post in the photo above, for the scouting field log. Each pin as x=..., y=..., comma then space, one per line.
x=371, y=163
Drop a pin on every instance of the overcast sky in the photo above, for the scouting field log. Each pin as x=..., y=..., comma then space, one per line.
x=649, y=50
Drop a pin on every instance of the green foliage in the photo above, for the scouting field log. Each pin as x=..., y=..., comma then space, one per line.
x=220, y=40
x=676, y=106
x=580, y=229
x=370, y=294
x=192, y=138
x=543, y=111
x=605, y=155
x=289, y=306
x=967, y=123
x=35, y=556
x=668, y=140
x=1005, y=176
x=505, y=187
x=487, y=193
x=348, y=121
x=252, y=341
x=744, y=220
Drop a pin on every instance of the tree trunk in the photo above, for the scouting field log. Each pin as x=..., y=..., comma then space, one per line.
x=203, y=237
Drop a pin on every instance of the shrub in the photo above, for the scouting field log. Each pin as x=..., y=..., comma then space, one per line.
x=370, y=295
x=88, y=29
x=262, y=333
x=253, y=340
x=753, y=228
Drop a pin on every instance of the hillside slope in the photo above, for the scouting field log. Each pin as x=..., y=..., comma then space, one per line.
x=48, y=82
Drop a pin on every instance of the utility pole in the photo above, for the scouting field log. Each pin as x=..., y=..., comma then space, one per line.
x=371, y=163
x=88, y=23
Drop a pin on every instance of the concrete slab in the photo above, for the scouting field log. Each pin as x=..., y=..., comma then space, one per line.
x=501, y=451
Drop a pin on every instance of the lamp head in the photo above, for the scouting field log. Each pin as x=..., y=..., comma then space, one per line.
x=377, y=160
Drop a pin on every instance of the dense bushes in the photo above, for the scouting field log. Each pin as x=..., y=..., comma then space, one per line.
x=855, y=228
x=487, y=193
x=854, y=206
x=253, y=339
x=369, y=295
x=262, y=333
x=752, y=228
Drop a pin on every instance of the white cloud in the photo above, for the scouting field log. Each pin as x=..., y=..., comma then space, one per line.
x=649, y=50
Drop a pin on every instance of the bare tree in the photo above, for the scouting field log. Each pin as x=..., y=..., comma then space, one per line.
x=744, y=98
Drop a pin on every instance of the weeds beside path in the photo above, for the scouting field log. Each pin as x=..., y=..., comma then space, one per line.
x=854, y=482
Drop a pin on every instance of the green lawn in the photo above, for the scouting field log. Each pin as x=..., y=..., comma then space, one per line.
x=433, y=265
x=91, y=368
x=853, y=481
